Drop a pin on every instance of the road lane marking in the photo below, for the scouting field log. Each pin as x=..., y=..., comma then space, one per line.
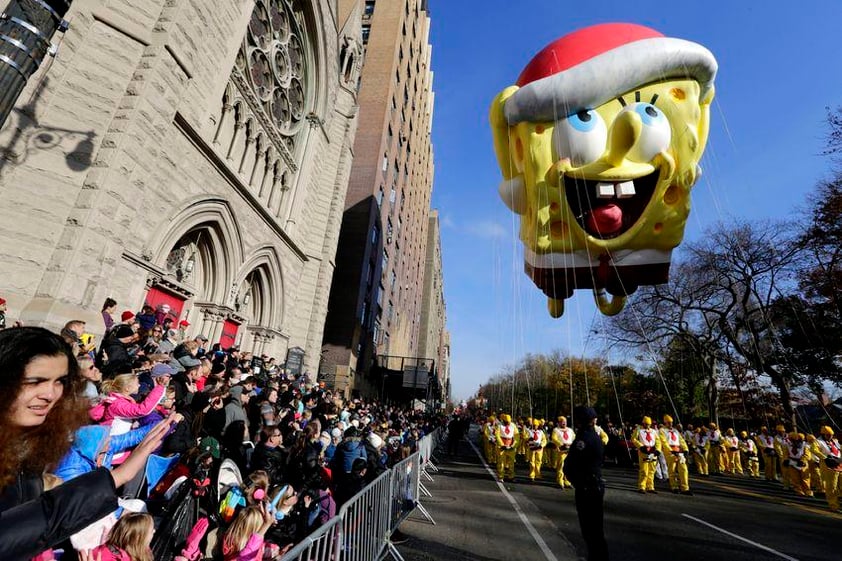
x=769, y=498
x=548, y=554
x=746, y=540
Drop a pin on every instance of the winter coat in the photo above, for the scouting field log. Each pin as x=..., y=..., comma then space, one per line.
x=107, y=552
x=118, y=357
x=346, y=452
x=119, y=411
x=376, y=462
x=32, y=521
x=89, y=442
x=271, y=460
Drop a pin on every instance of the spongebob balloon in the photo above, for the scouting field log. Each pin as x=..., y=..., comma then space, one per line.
x=599, y=143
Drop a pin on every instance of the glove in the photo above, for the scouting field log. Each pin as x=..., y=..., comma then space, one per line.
x=191, y=551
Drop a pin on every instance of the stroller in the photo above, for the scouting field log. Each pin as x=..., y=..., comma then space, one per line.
x=181, y=499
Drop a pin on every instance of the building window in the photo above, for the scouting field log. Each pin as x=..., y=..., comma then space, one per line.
x=390, y=312
x=374, y=235
x=364, y=313
x=366, y=31
x=385, y=165
x=392, y=196
x=392, y=280
x=385, y=265
x=380, y=295
x=369, y=7
x=380, y=196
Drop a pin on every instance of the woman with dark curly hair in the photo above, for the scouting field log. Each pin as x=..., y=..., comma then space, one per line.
x=41, y=406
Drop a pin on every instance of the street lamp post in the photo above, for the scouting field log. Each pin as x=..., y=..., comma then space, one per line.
x=26, y=31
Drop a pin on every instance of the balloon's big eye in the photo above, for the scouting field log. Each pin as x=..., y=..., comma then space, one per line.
x=656, y=134
x=580, y=137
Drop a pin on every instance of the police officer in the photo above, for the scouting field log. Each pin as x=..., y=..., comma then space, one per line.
x=583, y=467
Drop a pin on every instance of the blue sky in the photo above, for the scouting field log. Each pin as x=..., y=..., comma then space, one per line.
x=779, y=67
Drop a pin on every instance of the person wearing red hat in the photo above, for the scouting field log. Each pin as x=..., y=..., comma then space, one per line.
x=598, y=142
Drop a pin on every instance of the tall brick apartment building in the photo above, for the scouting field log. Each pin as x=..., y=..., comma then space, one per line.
x=375, y=305
x=189, y=153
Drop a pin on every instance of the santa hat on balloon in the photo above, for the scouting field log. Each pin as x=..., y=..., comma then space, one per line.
x=588, y=67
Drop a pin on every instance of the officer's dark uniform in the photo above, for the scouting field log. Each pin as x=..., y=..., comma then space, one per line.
x=583, y=468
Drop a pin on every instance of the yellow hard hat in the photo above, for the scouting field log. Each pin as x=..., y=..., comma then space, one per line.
x=647, y=421
x=764, y=429
x=811, y=438
x=800, y=436
x=562, y=419
x=743, y=434
x=730, y=432
x=536, y=423
x=780, y=428
x=826, y=430
x=713, y=426
x=667, y=419
x=793, y=435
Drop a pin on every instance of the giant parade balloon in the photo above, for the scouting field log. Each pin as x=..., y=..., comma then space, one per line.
x=599, y=143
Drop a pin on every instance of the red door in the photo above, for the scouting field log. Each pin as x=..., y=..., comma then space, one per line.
x=157, y=296
x=229, y=333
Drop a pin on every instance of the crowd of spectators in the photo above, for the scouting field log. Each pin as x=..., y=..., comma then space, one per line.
x=265, y=456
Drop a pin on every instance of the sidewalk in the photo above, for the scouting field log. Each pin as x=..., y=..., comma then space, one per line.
x=476, y=520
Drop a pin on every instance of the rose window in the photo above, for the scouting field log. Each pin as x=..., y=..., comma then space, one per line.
x=274, y=61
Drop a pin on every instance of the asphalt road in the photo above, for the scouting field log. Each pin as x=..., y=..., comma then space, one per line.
x=731, y=518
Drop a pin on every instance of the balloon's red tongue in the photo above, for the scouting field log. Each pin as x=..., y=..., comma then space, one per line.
x=605, y=220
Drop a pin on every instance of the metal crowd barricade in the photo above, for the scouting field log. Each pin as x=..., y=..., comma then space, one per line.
x=366, y=527
x=321, y=545
x=361, y=529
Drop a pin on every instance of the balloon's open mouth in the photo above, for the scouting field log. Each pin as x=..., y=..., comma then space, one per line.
x=607, y=209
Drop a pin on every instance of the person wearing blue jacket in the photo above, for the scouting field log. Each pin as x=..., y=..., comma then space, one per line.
x=351, y=448
x=93, y=447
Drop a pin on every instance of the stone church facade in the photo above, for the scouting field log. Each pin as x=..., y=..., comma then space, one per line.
x=187, y=153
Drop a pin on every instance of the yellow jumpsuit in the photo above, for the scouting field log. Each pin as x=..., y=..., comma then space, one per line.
x=814, y=466
x=700, y=452
x=716, y=454
x=490, y=442
x=781, y=442
x=524, y=436
x=798, y=456
x=508, y=439
x=535, y=445
x=831, y=479
x=748, y=451
x=766, y=447
x=675, y=451
x=732, y=452
x=562, y=438
x=648, y=447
